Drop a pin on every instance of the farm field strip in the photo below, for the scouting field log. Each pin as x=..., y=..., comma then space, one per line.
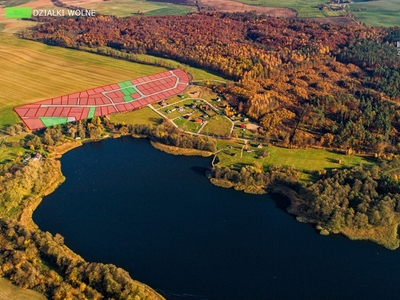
x=105, y=100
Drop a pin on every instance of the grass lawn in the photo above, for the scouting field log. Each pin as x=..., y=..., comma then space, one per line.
x=306, y=8
x=10, y=291
x=377, y=13
x=308, y=161
x=124, y=8
x=188, y=125
x=218, y=125
x=141, y=116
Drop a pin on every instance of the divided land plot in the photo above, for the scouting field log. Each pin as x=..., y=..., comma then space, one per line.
x=105, y=100
x=33, y=71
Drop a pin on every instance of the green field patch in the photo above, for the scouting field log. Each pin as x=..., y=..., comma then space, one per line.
x=128, y=91
x=52, y=121
x=218, y=126
x=307, y=161
x=91, y=112
x=144, y=115
x=187, y=125
x=306, y=9
x=377, y=13
x=127, y=98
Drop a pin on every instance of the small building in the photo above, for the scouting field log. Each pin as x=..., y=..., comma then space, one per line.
x=205, y=116
x=242, y=125
x=198, y=120
x=207, y=107
x=37, y=156
x=259, y=146
x=181, y=96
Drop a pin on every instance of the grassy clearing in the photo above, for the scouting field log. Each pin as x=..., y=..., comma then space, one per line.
x=188, y=125
x=218, y=125
x=10, y=291
x=377, y=13
x=124, y=8
x=306, y=9
x=142, y=116
x=308, y=161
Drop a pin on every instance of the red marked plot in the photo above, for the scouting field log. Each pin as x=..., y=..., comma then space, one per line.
x=72, y=101
x=76, y=106
x=41, y=111
x=83, y=101
x=21, y=111
x=33, y=123
x=57, y=112
x=97, y=113
x=65, y=111
x=129, y=106
x=56, y=100
x=31, y=112
x=50, y=112
x=121, y=108
x=99, y=90
x=84, y=113
x=74, y=96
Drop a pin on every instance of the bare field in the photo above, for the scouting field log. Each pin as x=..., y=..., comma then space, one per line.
x=233, y=6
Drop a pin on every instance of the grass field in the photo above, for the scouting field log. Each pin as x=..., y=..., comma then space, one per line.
x=218, y=125
x=377, y=13
x=141, y=116
x=8, y=291
x=308, y=161
x=123, y=8
x=306, y=8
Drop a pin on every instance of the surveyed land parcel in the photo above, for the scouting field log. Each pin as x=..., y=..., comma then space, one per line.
x=118, y=97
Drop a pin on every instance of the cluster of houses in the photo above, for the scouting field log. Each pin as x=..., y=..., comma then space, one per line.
x=34, y=157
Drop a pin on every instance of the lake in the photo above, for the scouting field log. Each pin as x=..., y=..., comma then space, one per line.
x=158, y=217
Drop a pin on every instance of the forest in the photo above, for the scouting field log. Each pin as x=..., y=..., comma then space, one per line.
x=307, y=84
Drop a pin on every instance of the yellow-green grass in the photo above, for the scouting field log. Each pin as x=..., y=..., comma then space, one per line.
x=218, y=126
x=141, y=116
x=123, y=8
x=305, y=9
x=197, y=74
x=10, y=291
x=308, y=161
x=377, y=13
x=10, y=153
x=188, y=125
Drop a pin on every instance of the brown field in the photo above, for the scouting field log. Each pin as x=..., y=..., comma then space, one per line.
x=233, y=6
x=332, y=20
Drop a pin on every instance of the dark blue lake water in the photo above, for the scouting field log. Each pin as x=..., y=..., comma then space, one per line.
x=158, y=217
